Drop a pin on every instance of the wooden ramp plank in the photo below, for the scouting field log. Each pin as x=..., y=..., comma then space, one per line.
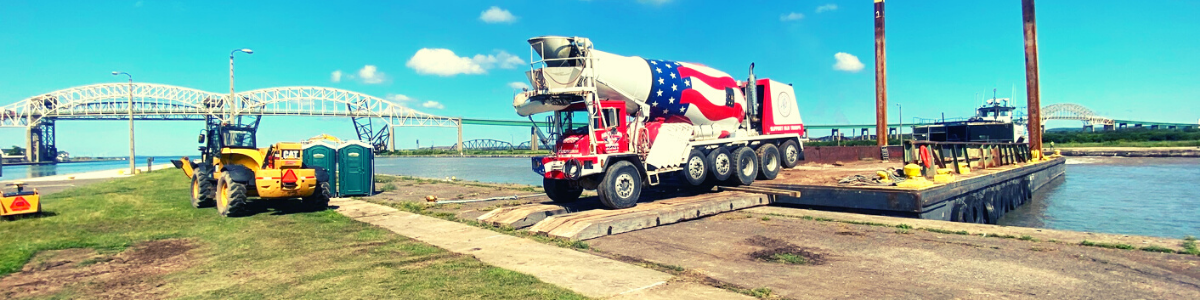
x=521, y=216
x=596, y=223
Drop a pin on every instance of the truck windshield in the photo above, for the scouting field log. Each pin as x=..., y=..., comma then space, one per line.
x=572, y=122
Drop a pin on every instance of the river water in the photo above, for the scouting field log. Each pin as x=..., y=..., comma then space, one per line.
x=1139, y=196
x=12, y=172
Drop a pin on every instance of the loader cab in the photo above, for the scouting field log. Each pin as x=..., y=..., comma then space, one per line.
x=238, y=137
x=608, y=129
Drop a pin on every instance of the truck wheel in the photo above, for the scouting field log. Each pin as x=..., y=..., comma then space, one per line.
x=721, y=164
x=202, y=190
x=231, y=197
x=695, y=168
x=768, y=161
x=561, y=191
x=319, y=200
x=745, y=166
x=621, y=187
x=789, y=153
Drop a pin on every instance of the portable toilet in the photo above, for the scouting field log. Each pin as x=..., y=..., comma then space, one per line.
x=323, y=154
x=356, y=169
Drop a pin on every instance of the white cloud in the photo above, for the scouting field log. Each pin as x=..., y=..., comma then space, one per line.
x=336, y=76
x=518, y=85
x=791, y=17
x=369, y=74
x=654, y=2
x=847, y=62
x=443, y=62
x=826, y=7
x=432, y=104
x=497, y=15
x=398, y=98
x=138, y=4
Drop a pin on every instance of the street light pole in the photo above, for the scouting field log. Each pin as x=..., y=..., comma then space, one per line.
x=900, y=131
x=231, y=95
x=132, y=166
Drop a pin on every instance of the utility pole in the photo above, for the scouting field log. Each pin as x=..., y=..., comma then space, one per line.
x=233, y=103
x=880, y=78
x=1031, y=76
x=900, y=131
x=132, y=162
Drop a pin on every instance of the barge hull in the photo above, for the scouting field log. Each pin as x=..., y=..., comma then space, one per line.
x=977, y=199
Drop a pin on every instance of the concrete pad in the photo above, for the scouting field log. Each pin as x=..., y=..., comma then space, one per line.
x=1064, y=236
x=587, y=274
x=596, y=223
x=682, y=290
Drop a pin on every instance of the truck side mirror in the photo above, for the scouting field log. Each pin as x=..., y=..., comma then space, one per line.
x=201, y=139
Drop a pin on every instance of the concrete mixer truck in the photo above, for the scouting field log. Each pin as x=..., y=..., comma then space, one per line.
x=620, y=123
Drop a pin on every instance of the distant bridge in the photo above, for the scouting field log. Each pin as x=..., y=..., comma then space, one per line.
x=110, y=101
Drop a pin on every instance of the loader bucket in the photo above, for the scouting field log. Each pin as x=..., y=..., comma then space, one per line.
x=186, y=165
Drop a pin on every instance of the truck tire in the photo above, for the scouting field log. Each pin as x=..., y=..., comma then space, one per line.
x=768, y=161
x=231, y=197
x=203, y=189
x=721, y=164
x=561, y=191
x=789, y=152
x=319, y=200
x=744, y=165
x=695, y=168
x=621, y=187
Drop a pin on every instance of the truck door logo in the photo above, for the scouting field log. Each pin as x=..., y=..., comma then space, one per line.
x=783, y=103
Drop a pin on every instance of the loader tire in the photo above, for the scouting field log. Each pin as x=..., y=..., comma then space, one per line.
x=621, y=186
x=789, y=154
x=744, y=165
x=203, y=190
x=561, y=191
x=319, y=200
x=768, y=162
x=231, y=197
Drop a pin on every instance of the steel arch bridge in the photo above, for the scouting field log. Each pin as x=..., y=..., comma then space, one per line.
x=110, y=101
x=487, y=144
x=1075, y=112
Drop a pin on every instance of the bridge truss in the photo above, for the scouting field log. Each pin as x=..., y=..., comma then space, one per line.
x=110, y=101
x=1074, y=112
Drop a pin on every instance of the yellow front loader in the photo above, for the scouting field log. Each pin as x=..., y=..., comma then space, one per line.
x=233, y=171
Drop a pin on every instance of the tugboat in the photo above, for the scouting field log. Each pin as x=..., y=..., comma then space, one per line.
x=994, y=121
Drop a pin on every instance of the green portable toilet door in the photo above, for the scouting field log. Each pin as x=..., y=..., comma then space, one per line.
x=354, y=164
x=324, y=157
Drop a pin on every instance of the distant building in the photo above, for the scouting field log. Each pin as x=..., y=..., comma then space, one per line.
x=63, y=156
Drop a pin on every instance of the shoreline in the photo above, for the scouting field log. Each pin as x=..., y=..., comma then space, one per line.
x=1131, y=151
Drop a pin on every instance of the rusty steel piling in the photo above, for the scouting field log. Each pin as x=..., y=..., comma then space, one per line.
x=881, y=125
x=1031, y=76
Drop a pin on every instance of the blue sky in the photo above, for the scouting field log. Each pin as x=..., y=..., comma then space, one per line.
x=1126, y=61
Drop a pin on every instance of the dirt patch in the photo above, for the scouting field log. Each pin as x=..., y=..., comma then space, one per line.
x=134, y=273
x=783, y=252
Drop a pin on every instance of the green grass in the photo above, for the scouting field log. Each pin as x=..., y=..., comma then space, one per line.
x=1106, y=245
x=267, y=255
x=960, y=232
x=1189, y=245
x=1156, y=249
